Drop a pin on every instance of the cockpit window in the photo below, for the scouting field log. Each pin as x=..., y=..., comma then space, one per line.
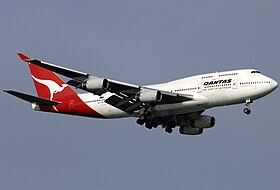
x=255, y=72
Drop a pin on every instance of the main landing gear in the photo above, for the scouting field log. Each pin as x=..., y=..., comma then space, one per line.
x=140, y=121
x=247, y=110
x=168, y=130
x=148, y=119
x=170, y=126
x=151, y=121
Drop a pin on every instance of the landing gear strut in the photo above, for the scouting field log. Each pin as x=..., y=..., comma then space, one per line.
x=247, y=110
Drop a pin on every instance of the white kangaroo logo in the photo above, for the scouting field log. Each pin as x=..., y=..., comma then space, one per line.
x=52, y=86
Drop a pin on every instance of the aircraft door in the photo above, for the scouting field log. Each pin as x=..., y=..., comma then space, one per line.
x=234, y=84
x=71, y=105
x=199, y=88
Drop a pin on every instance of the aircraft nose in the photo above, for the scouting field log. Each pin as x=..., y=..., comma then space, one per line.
x=273, y=84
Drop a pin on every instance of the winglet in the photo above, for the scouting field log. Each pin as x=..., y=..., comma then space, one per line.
x=24, y=57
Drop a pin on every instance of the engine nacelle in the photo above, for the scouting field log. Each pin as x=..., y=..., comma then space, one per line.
x=204, y=121
x=187, y=130
x=150, y=96
x=96, y=84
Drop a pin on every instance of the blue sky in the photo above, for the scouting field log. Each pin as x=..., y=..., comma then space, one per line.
x=140, y=42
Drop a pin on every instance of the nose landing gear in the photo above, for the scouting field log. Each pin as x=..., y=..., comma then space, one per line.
x=247, y=110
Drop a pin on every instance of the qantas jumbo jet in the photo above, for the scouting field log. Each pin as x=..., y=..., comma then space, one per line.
x=175, y=103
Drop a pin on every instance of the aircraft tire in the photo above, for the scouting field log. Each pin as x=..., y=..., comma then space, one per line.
x=168, y=130
x=247, y=111
x=140, y=121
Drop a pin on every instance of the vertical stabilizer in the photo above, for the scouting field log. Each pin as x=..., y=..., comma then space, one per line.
x=48, y=85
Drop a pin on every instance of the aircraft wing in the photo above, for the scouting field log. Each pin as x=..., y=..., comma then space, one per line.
x=125, y=95
x=78, y=78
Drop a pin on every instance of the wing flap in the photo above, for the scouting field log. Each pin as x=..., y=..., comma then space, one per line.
x=124, y=102
x=32, y=99
x=129, y=103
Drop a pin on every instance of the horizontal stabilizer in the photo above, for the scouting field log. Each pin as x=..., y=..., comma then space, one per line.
x=32, y=99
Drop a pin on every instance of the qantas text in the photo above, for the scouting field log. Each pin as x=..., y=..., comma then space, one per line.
x=218, y=82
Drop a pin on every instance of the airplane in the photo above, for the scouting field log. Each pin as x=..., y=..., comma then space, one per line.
x=178, y=103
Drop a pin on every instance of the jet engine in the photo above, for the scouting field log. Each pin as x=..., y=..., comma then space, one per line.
x=150, y=96
x=187, y=130
x=204, y=121
x=96, y=84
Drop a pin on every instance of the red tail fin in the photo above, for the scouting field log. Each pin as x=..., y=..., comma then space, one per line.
x=48, y=85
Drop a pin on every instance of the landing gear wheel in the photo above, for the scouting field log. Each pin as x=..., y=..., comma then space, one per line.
x=154, y=124
x=247, y=111
x=140, y=121
x=168, y=130
x=148, y=125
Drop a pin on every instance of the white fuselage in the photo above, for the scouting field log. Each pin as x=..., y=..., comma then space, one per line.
x=208, y=90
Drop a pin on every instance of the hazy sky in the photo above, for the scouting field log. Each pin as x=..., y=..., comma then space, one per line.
x=142, y=42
